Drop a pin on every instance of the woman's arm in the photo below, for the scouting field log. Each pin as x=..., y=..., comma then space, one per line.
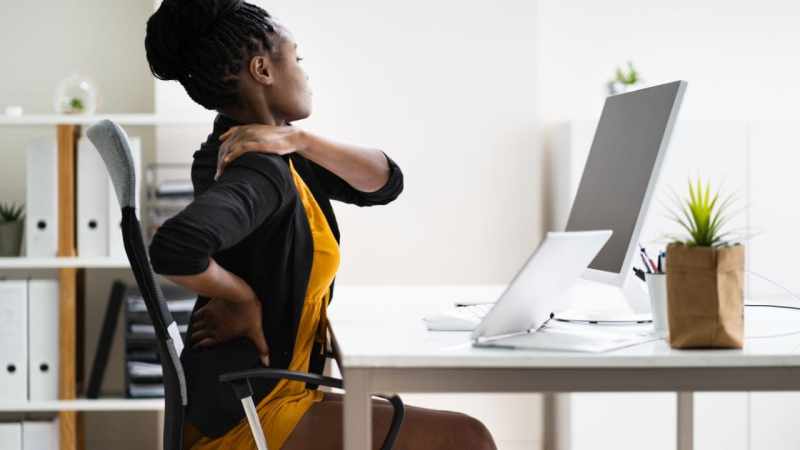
x=220, y=217
x=366, y=170
x=223, y=215
x=216, y=282
x=349, y=173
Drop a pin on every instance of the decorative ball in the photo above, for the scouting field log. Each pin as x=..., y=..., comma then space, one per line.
x=75, y=95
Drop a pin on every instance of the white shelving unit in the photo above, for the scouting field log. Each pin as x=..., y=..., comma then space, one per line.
x=68, y=264
x=82, y=404
x=56, y=262
x=142, y=119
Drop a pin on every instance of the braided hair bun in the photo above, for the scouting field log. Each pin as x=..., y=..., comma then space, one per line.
x=204, y=44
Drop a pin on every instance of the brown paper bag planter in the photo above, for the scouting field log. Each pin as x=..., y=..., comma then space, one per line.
x=705, y=296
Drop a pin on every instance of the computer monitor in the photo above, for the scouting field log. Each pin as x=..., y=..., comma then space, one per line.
x=621, y=173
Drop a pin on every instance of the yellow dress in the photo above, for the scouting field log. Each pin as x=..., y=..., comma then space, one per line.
x=282, y=409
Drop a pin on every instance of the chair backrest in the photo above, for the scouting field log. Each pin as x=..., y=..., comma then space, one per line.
x=111, y=142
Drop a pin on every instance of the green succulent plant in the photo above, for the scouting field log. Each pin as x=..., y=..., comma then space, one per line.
x=631, y=76
x=76, y=104
x=703, y=216
x=10, y=212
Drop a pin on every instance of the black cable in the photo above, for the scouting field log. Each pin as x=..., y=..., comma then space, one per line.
x=755, y=305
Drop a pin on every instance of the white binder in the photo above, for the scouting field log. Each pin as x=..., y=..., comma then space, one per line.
x=41, y=216
x=14, y=338
x=116, y=248
x=40, y=435
x=43, y=306
x=92, y=192
x=10, y=436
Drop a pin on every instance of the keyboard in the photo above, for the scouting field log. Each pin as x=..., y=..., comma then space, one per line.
x=458, y=318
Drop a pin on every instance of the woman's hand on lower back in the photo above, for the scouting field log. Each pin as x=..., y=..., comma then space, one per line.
x=270, y=139
x=221, y=320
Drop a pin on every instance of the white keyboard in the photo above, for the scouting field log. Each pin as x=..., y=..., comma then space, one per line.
x=480, y=310
x=458, y=318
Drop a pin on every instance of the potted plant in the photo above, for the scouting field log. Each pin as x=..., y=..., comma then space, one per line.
x=624, y=80
x=705, y=274
x=11, y=226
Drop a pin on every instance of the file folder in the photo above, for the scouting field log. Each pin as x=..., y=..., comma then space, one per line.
x=115, y=246
x=93, y=190
x=43, y=308
x=106, y=337
x=14, y=338
x=38, y=435
x=41, y=198
x=10, y=436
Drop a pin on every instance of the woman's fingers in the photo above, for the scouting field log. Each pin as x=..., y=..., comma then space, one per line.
x=200, y=313
x=207, y=342
x=200, y=336
x=228, y=133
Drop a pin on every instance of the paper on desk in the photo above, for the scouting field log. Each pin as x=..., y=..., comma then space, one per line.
x=575, y=337
x=599, y=330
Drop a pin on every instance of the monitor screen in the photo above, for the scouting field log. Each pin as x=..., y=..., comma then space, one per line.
x=620, y=165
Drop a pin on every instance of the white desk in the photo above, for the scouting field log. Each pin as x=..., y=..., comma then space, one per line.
x=386, y=348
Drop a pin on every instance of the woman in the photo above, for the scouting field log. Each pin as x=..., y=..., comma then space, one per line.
x=259, y=243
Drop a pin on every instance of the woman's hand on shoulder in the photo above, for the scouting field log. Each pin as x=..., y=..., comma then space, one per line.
x=221, y=320
x=275, y=140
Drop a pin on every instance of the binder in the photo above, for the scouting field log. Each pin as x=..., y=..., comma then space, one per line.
x=10, y=436
x=43, y=308
x=41, y=198
x=38, y=435
x=14, y=338
x=92, y=199
x=116, y=248
x=110, y=319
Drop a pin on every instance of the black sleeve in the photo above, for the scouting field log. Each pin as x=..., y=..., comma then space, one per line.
x=339, y=189
x=249, y=191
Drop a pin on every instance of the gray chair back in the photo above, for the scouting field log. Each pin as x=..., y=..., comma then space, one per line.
x=111, y=141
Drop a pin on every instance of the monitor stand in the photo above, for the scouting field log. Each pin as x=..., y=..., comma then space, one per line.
x=597, y=302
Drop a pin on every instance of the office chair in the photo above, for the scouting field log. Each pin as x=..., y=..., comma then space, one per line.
x=111, y=142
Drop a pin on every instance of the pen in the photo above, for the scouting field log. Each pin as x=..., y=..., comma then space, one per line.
x=647, y=258
x=644, y=260
x=660, y=262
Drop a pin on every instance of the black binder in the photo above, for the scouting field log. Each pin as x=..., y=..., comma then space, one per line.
x=118, y=290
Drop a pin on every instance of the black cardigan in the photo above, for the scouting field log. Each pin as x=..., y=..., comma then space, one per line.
x=252, y=222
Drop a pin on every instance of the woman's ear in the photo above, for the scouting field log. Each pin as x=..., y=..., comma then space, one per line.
x=261, y=70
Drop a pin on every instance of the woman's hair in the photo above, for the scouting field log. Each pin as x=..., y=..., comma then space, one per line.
x=205, y=43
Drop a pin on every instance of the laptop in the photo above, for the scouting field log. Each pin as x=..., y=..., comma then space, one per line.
x=521, y=317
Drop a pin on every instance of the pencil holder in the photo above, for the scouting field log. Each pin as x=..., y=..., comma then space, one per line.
x=657, y=287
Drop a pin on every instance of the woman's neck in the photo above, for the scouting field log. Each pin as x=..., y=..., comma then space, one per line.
x=250, y=114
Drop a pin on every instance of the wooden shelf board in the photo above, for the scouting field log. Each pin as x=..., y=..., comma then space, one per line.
x=24, y=262
x=122, y=119
x=83, y=404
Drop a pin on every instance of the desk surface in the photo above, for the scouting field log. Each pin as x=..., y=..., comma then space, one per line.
x=381, y=326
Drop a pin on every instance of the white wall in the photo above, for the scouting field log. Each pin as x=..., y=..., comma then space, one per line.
x=740, y=57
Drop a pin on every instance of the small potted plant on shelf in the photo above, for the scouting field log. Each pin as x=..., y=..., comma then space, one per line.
x=705, y=274
x=11, y=226
x=624, y=80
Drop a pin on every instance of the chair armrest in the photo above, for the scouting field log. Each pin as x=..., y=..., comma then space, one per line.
x=240, y=382
x=279, y=374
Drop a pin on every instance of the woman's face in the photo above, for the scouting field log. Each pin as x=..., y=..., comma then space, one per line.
x=290, y=94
